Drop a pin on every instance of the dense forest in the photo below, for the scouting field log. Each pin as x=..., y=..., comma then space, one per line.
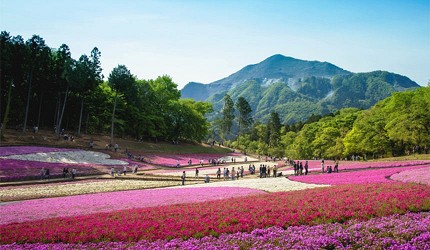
x=47, y=88
x=397, y=125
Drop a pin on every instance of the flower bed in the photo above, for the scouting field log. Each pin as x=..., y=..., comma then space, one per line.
x=172, y=160
x=21, y=163
x=421, y=176
x=354, y=177
x=11, y=170
x=68, y=157
x=19, y=150
x=315, y=165
x=113, y=201
x=408, y=231
x=266, y=184
x=141, y=166
x=243, y=214
x=82, y=187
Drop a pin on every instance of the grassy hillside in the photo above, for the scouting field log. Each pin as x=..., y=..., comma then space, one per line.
x=47, y=138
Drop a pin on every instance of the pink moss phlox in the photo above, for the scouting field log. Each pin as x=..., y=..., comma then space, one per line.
x=408, y=231
x=19, y=150
x=113, y=201
x=354, y=177
x=11, y=170
x=421, y=176
x=171, y=160
x=241, y=214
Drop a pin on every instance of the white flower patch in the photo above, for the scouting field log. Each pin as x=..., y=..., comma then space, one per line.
x=280, y=184
x=69, y=157
x=80, y=188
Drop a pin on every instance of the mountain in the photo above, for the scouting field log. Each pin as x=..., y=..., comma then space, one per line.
x=296, y=89
x=273, y=69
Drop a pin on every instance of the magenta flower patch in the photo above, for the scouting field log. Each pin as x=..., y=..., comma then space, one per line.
x=19, y=150
x=113, y=201
x=354, y=177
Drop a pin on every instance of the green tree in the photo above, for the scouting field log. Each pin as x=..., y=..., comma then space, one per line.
x=245, y=116
x=38, y=57
x=64, y=65
x=227, y=116
x=274, y=129
x=120, y=80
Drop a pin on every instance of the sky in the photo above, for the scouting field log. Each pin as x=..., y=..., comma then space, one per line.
x=204, y=41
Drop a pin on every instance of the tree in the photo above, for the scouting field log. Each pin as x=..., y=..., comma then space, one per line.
x=64, y=65
x=120, y=80
x=38, y=55
x=86, y=76
x=227, y=116
x=244, y=118
x=274, y=129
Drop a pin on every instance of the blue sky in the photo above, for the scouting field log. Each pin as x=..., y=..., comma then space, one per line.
x=204, y=41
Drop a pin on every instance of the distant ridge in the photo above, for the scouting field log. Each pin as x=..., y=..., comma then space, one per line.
x=296, y=88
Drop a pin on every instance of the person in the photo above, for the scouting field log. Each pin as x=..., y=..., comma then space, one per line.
x=116, y=147
x=329, y=170
x=207, y=179
x=233, y=174
x=47, y=173
x=42, y=173
x=264, y=171
x=306, y=168
x=218, y=173
x=227, y=173
x=301, y=168
x=73, y=173
x=124, y=170
x=241, y=171
x=65, y=172
x=295, y=168
x=135, y=169
x=183, y=178
x=197, y=173
x=322, y=166
x=178, y=164
x=261, y=171
x=268, y=171
x=275, y=170
x=91, y=144
x=112, y=171
x=201, y=162
x=336, y=166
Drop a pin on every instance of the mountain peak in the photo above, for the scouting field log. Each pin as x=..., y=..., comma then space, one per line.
x=276, y=67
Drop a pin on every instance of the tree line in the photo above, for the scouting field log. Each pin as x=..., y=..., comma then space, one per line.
x=397, y=125
x=45, y=87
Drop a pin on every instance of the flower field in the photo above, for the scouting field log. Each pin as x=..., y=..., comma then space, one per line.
x=75, y=188
x=315, y=165
x=239, y=214
x=114, y=201
x=268, y=185
x=408, y=231
x=172, y=160
x=356, y=177
x=421, y=176
x=26, y=162
x=367, y=205
x=20, y=150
